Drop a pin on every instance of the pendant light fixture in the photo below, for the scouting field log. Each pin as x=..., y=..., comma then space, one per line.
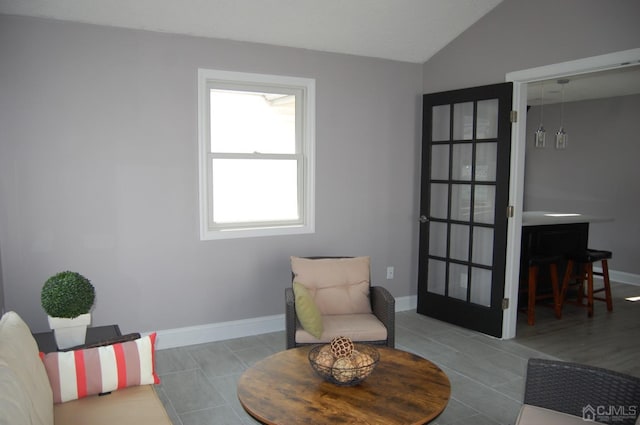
x=561, y=136
x=539, y=135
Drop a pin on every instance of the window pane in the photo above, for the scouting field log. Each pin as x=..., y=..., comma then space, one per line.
x=250, y=190
x=461, y=202
x=462, y=161
x=440, y=122
x=439, y=197
x=440, y=162
x=484, y=204
x=437, y=276
x=487, y=119
x=481, y=286
x=459, y=242
x=482, y=246
x=486, y=158
x=458, y=281
x=248, y=122
x=438, y=239
x=463, y=121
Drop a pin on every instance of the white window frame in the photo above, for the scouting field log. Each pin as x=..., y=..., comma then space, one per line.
x=305, y=152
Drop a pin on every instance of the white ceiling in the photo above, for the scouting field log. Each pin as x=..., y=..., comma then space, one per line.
x=403, y=30
x=595, y=85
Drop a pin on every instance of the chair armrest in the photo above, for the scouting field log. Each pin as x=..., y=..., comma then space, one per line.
x=383, y=305
x=570, y=387
x=290, y=317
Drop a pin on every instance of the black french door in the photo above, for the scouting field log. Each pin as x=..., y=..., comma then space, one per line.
x=464, y=195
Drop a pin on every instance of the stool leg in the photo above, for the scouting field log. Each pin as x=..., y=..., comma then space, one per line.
x=557, y=305
x=589, y=268
x=584, y=274
x=565, y=281
x=607, y=285
x=531, y=301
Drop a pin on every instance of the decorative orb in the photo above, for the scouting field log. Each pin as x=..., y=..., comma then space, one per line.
x=325, y=359
x=343, y=370
x=363, y=363
x=341, y=346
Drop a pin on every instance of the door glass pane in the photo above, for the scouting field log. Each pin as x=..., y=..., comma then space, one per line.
x=463, y=121
x=437, y=276
x=481, y=286
x=439, y=197
x=486, y=154
x=459, y=242
x=438, y=239
x=440, y=162
x=462, y=161
x=484, y=204
x=440, y=121
x=482, y=251
x=461, y=202
x=458, y=276
x=487, y=127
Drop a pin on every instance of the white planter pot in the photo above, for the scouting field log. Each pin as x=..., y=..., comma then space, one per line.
x=70, y=332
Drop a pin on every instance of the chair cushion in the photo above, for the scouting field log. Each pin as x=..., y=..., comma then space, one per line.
x=129, y=406
x=533, y=415
x=358, y=327
x=307, y=311
x=337, y=285
x=19, y=353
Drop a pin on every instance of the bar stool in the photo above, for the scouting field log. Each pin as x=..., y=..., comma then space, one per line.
x=534, y=269
x=584, y=261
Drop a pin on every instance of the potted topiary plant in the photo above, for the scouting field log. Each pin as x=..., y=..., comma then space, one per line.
x=67, y=297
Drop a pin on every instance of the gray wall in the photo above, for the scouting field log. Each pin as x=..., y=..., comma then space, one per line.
x=98, y=164
x=2, y=308
x=522, y=34
x=597, y=174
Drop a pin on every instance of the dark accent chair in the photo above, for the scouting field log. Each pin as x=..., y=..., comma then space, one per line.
x=580, y=390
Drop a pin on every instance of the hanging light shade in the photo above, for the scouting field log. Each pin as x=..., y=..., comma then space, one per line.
x=561, y=136
x=539, y=135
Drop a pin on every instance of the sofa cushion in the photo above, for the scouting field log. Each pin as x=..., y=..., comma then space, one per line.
x=81, y=373
x=130, y=406
x=14, y=402
x=359, y=327
x=19, y=353
x=533, y=415
x=307, y=311
x=337, y=285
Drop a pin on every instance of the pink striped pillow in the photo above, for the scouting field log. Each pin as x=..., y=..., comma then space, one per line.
x=81, y=373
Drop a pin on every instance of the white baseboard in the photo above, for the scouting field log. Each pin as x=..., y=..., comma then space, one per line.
x=621, y=277
x=201, y=334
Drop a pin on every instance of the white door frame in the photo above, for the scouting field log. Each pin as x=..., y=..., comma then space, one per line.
x=520, y=80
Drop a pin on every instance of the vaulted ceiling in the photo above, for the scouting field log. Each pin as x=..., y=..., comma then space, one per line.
x=403, y=30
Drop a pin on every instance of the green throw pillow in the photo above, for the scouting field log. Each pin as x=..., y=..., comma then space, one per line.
x=307, y=311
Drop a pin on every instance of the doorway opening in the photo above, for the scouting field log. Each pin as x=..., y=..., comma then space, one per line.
x=521, y=80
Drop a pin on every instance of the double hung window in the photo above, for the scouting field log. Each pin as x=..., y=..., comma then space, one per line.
x=256, y=152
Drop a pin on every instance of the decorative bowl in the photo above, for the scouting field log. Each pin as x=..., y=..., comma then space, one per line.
x=345, y=370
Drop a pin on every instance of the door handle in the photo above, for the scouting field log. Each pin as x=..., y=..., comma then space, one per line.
x=424, y=219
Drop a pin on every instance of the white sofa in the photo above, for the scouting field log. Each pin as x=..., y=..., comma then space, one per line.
x=26, y=396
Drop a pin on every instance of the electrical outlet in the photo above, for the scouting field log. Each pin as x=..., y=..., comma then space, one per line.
x=390, y=272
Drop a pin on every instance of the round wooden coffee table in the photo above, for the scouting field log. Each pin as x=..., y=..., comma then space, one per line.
x=403, y=389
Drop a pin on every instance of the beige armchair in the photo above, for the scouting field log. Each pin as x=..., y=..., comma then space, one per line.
x=332, y=296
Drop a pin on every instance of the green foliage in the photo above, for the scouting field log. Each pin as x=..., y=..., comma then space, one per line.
x=67, y=294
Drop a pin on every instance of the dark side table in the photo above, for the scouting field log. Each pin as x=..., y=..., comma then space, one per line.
x=95, y=335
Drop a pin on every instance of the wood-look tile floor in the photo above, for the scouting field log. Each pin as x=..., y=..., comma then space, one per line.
x=487, y=375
